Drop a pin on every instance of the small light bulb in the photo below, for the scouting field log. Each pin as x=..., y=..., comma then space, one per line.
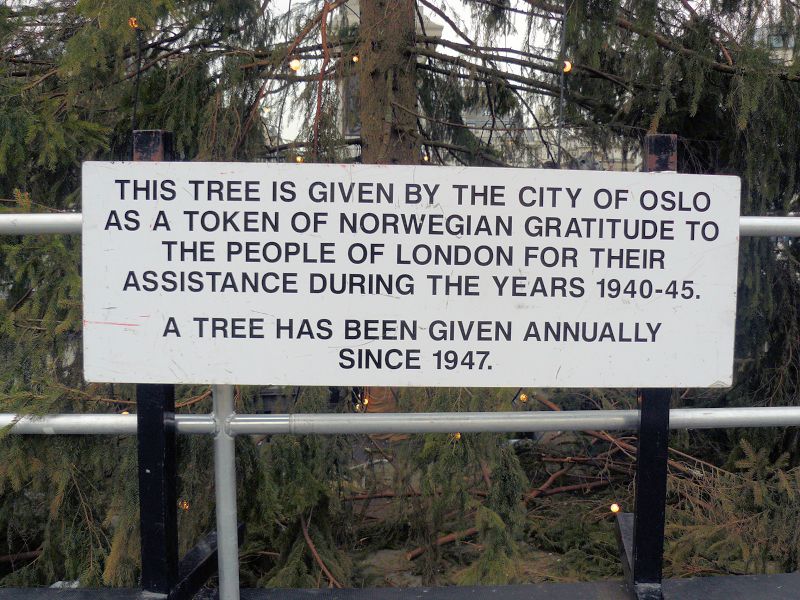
x=183, y=505
x=567, y=66
x=456, y=436
x=133, y=23
x=295, y=64
x=523, y=397
x=426, y=158
x=299, y=159
x=615, y=508
x=124, y=412
x=356, y=58
x=366, y=401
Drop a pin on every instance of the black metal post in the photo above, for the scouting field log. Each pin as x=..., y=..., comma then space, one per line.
x=651, y=492
x=152, y=145
x=155, y=417
x=158, y=521
x=641, y=534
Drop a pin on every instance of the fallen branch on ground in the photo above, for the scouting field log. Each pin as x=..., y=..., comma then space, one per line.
x=316, y=555
x=445, y=539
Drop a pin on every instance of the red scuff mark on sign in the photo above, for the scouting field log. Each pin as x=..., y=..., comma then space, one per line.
x=87, y=322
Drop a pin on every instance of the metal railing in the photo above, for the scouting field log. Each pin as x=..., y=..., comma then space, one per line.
x=224, y=424
x=28, y=224
x=379, y=423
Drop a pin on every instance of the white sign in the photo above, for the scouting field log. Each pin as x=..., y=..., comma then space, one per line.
x=407, y=275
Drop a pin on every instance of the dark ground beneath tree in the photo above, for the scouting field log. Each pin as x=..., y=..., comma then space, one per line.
x=761, y=587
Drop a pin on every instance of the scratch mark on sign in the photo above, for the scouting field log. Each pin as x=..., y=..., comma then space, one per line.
x=88, y=322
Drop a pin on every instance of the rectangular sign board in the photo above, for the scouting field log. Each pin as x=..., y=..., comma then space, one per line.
x=245, y=273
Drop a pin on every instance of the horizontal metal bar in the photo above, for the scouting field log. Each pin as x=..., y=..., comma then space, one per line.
x=722, y=418
x=195, y=424
x=27, y=224
x=95, y=424
x=465, y=422
x=349, y=423
x=769, y=226
x=577, y=420
x=22, y=224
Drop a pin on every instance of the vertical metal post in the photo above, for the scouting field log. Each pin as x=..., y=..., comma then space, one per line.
x=225, y=490
x=651, y=492
x=158, y=525
x=155, y=418
x=661, y=154
x=152, y=145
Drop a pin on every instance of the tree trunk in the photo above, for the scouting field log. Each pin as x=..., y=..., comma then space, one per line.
x=389, y=134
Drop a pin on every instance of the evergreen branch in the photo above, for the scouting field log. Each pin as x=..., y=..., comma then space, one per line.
x=624, y=446
x=383, y=495
x=337, y=43
x=473, y=77
x=39, y=80
x=89, y=397
x=466, y=150
x=293, y=77
x=26, y=61
x=481, y=52
x=187, y=28
x=316, y=555
x=624, y=468
x=411, y=493
x=553, y=70
x=509, y=8
x=20, y=556
x=532, y=114
x=549, y=68
x=182, y=51
x=543, y=488
x=549, y=58
x=673, y=46
x=487, y=479
x=194, y=399
x=445, y=539
x=22, y=299
x=292, y=47
x=462, y=125
x=716, y=40
x=506, y=76
x=248, y=124
x=292, y=145
x=545, y=68
x=450, y=22
x=578, y=487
